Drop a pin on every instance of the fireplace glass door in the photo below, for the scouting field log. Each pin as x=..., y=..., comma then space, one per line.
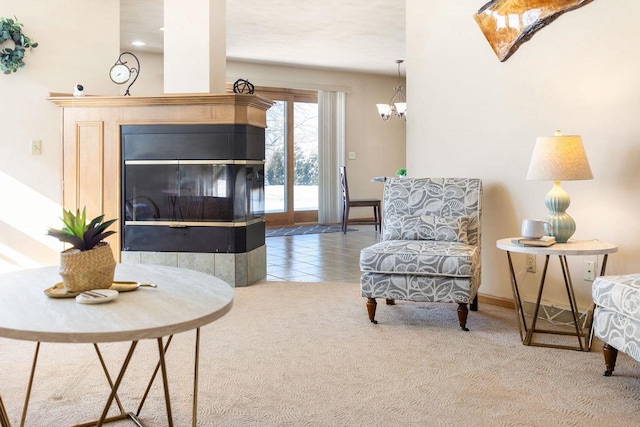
x=188, y=191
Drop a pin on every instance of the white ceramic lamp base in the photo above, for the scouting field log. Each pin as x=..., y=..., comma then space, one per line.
x=562, y=225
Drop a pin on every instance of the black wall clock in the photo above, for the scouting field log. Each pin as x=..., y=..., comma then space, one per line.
x=120, y=73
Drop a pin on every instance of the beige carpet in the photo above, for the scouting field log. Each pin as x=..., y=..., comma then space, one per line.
x=305, y=354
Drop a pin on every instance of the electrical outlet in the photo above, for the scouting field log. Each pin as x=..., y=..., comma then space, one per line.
x=352, y=155
x=590, y=271
x=531, y=263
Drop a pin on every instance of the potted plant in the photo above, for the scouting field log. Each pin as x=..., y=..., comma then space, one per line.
x=89, y=264
x=402, y=173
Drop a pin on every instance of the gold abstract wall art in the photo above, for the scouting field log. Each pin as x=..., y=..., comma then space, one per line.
x=507, y=24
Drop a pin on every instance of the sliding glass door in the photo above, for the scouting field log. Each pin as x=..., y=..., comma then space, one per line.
x=291, y=158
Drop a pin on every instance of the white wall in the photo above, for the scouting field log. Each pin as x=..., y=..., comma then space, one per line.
x=474, y=116
x=74, y=47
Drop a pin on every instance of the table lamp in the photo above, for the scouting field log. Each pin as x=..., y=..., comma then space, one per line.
x=559, y=158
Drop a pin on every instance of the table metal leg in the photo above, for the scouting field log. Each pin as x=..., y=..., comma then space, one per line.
x=161, y=365
x=538, y=300
x=106, y=372
x=194, y=415
x=103, y=418
x=522, y=324
x=572, y=297
x=153, y=377
x=165, y=383
x=4, y=418
x=114, y=389
x=584, y=338
x=123, y=414
x=29, y=387
x=603, y=270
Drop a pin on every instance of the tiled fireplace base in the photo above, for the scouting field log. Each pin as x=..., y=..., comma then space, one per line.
x=237, y=269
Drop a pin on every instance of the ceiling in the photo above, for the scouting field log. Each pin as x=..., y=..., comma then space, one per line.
x=353, y=35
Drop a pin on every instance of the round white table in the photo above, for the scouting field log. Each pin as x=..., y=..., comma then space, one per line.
x=561, y=250
x=184, y=300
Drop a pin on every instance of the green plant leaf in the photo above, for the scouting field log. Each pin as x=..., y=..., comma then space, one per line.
x=90, y=241
x=75, y=241
x=101, y=227
x=81, y=235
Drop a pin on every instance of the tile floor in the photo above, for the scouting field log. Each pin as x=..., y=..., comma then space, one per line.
x=327, y=257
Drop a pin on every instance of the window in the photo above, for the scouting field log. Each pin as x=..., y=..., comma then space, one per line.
x=291, y=157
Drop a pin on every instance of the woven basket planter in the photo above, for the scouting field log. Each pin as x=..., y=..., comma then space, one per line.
x=85, y=270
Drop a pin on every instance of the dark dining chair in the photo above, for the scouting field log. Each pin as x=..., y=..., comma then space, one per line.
x=347, y=203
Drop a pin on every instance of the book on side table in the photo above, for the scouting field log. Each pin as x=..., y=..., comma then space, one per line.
x=543, y=241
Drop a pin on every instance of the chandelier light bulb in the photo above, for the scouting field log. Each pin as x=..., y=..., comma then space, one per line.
x=385, y=111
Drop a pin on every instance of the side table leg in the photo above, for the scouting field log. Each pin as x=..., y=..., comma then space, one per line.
x=603, y=270
x=604, y=264
x=572, y=298
x=589, y=332
x=590, y=325
x=538, y=300
x=522, y=324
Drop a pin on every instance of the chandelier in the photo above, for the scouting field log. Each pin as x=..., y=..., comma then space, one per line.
x=397, y=104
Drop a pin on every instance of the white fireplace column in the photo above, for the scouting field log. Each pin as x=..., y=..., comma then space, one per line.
x=195, y=38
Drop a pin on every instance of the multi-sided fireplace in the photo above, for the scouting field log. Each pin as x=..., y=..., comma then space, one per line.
x=192, y=188
x=182, y=174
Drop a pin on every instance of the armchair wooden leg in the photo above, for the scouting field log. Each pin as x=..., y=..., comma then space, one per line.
x=371, y=309
x=610, y=356
x=474, y=304
x=391, y=301
x=463, y=311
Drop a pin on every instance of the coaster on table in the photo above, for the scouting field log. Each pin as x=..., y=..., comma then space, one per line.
x=97, y=296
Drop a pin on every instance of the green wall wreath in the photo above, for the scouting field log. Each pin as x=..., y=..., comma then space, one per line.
x=12, y=59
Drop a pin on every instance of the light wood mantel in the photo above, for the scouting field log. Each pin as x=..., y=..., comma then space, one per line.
x=67, y=100
x=224, y=108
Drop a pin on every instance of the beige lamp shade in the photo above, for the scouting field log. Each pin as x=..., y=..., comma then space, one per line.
x=559, y=158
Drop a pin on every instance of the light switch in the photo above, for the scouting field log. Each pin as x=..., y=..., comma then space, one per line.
x=36, y=147
x=352, y=155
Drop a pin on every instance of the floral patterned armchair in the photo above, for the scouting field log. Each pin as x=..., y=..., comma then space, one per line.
x=430, y=247
x=616, y=319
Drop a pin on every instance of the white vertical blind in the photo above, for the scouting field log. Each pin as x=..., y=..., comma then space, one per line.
x=331, y=154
